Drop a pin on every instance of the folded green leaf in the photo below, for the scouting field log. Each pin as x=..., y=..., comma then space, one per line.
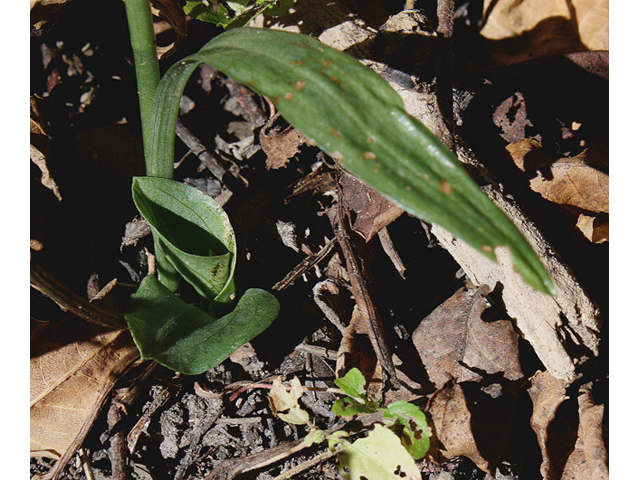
x=192, y=233
x=415, y=431
x=183, y=337
x=357, y=118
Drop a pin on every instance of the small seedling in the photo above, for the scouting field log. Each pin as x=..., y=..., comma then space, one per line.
x=381, y=455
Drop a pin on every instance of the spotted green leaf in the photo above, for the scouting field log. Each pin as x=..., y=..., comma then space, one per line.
x=380, y=456
x=415, y=431
x=356, y=117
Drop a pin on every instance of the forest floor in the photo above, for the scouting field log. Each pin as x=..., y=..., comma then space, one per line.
x=524, y=116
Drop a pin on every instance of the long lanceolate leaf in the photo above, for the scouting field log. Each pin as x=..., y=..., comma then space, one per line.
x=356, y=117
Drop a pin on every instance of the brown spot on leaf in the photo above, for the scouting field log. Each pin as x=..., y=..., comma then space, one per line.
x=298, y=62
x=446, y=188
x=334, y=79
x=288, y=96
x=369, y=156
x=299, y=85
x=326, y=63
x=336, y=133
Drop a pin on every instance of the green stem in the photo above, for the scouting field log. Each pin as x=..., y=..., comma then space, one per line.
x=145, y=58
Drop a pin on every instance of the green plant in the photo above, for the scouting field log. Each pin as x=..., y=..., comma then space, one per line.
x=350, y=112
x=382, y=454
x=194, y=243
x=232, y=14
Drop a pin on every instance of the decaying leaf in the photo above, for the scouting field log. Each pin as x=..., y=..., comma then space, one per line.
x=591, y=434
x=73, y=366
x=572, y=442
x=593, y=23
x=594, y=227
x=173, y=14
x=548, y=394
x=577, y=181
x=454, y=342
x=284, y=404
x=39, y=146
x=280, y=145
x=372, y=211
x=470, y=422
x=535, y=28
x=380, y=456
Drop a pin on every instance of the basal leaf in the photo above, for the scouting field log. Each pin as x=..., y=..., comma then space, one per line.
x=356, y=117
x=378, y=456
x=192, y=232
x=415, y=431
x=183, y=337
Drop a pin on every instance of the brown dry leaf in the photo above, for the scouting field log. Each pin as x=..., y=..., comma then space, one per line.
x=41, y=10
x=552, y=429
x=280, y=146
x=173, y=14
x=534, y=28
x=569, y=181
x=591, y=435
x=594, y=227
x=373, y=212
x=468, y=422
x=39, y=146
x=73, y=367
x=593, y=23
x=454, y=342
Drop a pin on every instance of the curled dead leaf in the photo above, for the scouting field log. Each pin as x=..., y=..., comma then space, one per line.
x=548, y=394
x=171, y=12
x=594, y=227
x=577, y=181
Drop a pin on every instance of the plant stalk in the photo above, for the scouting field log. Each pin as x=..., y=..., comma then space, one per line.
x=143, y=43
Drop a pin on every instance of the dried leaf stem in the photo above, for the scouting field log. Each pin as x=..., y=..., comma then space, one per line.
x=70, y=301
x=375, y=327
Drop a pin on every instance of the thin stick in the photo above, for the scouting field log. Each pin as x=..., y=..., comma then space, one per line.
x=363, y=300
x=303, y=267
x=444, y=71
x=307, y=464
x=70, y=301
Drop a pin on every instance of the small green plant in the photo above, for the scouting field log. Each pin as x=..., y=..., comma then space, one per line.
x=389, y=449
x=234, y=14
x=350, y=112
